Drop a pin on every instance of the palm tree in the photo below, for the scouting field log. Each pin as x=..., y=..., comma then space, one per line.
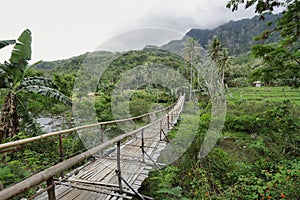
x=13, y=79
x=191, y=54
x=220, y=56
x=215, y=49
x=225, y=62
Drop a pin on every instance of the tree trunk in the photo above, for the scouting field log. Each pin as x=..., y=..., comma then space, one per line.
x=9, y=120
x=191, y=84
x=223, y=78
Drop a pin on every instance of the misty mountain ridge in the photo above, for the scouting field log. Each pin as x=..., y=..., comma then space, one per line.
x=237, y=36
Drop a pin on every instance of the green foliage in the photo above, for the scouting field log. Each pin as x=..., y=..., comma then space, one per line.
x=22, y=50
x=265, y=180
x=279, y=64
x=283, y=129
x=17, y=81
x=237, y=74
x=143, y=102
x=220, y=56
x=6, y=176
x=261, y=6
x=272, y=94
x=139, y=106
x=4, y=43
x=257, y=159
x=162, y=184
x=140, y=102
x=215, y=49
x=244, y=117
x=192, y=56
x=27, y=160
x=60, y=66
x=278, y=125
x=64, y=82
x=289, y=24
x=132, y=59
x=13, y=72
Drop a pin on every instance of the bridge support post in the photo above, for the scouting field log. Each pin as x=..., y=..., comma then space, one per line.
x=143, y=145
x=165, y=135
x=144, y=152
x=101, y=138
x=118, y=171
x=51, y=190
x=168, y=121
x=135, y=192
x=160, y=128
x=61, y=153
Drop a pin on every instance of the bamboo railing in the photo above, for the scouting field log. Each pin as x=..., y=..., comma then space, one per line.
x=47, y=174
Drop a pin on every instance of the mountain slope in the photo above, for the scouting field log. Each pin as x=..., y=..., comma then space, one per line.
x=237, y=36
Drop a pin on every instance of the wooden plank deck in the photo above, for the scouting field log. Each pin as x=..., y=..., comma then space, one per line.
x=98, y=180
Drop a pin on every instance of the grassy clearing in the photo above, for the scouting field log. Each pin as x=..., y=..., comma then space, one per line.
x=264, y=94
x=238, y=142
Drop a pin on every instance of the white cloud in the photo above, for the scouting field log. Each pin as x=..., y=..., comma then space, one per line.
x=139, y=38
x=66, y=28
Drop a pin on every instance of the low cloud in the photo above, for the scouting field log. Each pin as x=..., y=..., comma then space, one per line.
x=204, y=14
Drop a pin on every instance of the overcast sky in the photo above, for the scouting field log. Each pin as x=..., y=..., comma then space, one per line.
x=65, y=28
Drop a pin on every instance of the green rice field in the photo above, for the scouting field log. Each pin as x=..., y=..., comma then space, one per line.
x=264, y=94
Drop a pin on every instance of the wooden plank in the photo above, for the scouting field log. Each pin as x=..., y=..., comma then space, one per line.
x=72, y=194
x=92, y=183
x=87, y=189
x=63, y=190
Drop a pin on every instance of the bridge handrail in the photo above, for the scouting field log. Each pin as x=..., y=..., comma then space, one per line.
x=27, y=140
x=48, y=173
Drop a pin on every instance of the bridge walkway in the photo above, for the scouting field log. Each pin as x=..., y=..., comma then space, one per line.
x=99, y=180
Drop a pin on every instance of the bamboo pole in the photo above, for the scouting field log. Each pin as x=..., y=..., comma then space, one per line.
x=27, y=140
x=119, y=171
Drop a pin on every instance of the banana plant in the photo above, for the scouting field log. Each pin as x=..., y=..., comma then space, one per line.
x=12, y=74
x=4, y=43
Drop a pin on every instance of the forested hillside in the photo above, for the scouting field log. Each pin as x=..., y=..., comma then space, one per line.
x=237, y=36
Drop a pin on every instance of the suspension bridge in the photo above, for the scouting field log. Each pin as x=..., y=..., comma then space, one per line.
x=117, y=170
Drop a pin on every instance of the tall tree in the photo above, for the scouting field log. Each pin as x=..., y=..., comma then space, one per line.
x=215, y=49
x=13, y=74
x=278, y=64
x=225, y=62
x=192, y=55
x=220, y=56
